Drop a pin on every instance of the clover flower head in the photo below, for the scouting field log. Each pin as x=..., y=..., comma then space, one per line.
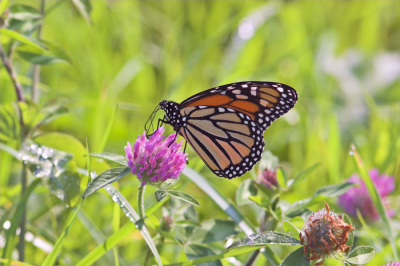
x=359, y=198
x=325, y=233
x=394, y=263
x=268, y=178
x=153, y=160
x=267, y=169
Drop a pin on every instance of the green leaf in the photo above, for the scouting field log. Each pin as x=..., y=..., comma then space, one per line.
x=58, y=52
x=23, y=12
x=194, y=251
x=114, y=157
x=320, y=195
x=213, y=230
x=184, y=196
x=161, y=195
x=169, y=236
x=334, y=190
x=245, y=190
x=50, y=113
x=29, y=41
x=3, y=5
x=376, y=199
x=281, y=177
x=361, y=255
x=55, y=54
x=66, y=143
x=298, y=213
x=9, y=124
x=24, y=19
x=84, y=8
x=188, y=223
x=303, y=175
x=289, y=227
x=262, y=239
x=263, y=202
x=154, y=207
x=10, y=150
x=57, y=169
x=107, y=177
x=39, y=59
x=297, y=258
x=51, y=258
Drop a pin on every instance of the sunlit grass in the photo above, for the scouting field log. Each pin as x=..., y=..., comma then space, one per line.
x=337, y=55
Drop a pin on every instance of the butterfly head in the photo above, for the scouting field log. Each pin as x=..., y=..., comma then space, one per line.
x=172, y=114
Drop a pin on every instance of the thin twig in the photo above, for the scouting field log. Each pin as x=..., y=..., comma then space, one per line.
x=36, y=68
x=13, y=75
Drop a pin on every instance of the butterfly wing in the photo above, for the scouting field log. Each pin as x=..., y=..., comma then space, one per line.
x=229, y=142
x=225, y=125
x=264, y=102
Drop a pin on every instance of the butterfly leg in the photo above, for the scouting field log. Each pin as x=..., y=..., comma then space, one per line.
x=176, y=134
x=184, y=151
x=159, y=124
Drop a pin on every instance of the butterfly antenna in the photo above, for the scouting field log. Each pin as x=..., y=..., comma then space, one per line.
x=149, y=122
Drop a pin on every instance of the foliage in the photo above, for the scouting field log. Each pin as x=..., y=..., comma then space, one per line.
x=97, y=78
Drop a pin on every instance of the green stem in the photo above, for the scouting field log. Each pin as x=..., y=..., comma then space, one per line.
x=36, y=68
x=21, y=244
x=141, y=202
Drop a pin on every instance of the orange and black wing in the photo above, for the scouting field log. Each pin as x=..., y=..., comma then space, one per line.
x=228, y=141
x=264, y=102
x=225, y=125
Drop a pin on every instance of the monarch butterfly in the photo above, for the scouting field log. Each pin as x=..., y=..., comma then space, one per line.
x=225, y=125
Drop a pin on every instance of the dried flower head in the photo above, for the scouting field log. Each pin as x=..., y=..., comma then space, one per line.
x=153, y=160
x=359, y=198
x=394, y=263
x=325, y=233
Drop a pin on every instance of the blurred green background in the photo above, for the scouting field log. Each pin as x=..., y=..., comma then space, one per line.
x=342, y=57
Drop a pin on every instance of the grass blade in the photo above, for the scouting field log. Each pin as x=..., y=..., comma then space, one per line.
x=108, y=129
x=376, y=199
x=16, y=219
x=111, y=241
x=51, y=258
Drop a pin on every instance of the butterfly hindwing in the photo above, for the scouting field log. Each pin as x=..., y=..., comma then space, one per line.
x=228, y=141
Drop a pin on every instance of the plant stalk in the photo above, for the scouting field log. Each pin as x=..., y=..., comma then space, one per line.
x=141, y=202
x=36, y=68
x=13, y=75
x=22, y=225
